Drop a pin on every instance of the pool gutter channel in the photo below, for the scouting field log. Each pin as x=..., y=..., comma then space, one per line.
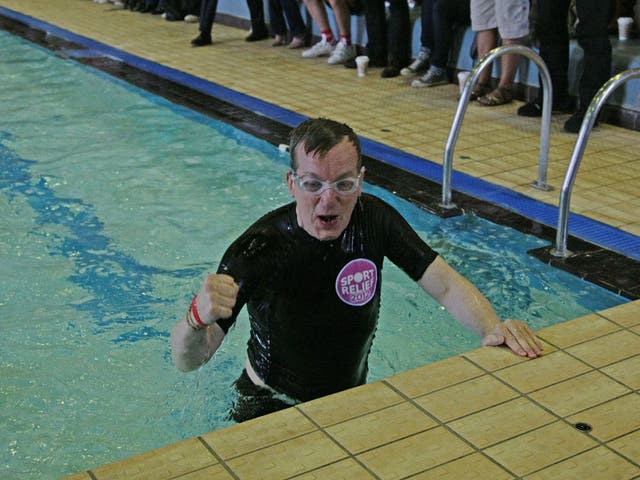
x=611, y=270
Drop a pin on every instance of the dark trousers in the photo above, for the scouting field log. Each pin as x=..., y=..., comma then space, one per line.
x=256, y=12
x=178, y=9
x=208, y=10
x=289, y=9
x=208, y=15
x=390, y=40
x=438, y=19
x=593, y=37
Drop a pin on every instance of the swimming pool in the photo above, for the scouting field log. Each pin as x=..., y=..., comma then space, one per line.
x=115, y=204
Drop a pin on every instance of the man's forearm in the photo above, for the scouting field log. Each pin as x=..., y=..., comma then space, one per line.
x=191, y=348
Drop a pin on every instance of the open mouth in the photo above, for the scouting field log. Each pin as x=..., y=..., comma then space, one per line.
x=328, y=219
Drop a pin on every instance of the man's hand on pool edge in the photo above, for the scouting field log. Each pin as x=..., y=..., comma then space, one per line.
x=517, y=336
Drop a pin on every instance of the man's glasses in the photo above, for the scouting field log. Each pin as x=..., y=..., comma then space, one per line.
x=315, y=186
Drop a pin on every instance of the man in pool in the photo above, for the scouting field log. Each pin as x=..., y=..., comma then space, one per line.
x=310, y=275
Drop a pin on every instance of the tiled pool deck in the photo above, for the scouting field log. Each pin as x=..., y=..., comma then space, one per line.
x=483, y=415
x=486, y=414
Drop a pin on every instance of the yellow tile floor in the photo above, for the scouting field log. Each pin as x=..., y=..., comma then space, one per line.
x=485, y=414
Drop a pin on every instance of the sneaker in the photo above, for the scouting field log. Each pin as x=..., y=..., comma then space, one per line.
x=342, y=53
x=419, y=64
x=432, y=78
x=320, y=49
x=191, y=18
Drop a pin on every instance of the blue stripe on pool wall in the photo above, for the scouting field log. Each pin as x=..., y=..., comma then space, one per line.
x=579, y=226
x=114, y=280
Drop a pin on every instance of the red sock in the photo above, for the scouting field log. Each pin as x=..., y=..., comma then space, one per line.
x=327, y=36
x=346, y=39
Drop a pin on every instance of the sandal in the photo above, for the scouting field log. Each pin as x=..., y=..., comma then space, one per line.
x=479, y=90
x=500, y=96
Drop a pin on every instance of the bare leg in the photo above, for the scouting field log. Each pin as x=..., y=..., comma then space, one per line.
x=343, y=17
x=318, y=13
x=487, y=40
x=509, y=65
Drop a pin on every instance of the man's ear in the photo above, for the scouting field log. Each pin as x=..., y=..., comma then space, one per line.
x=290, y=183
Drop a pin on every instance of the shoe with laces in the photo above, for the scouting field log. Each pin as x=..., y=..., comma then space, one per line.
x=433, y=77
x=320, y=49
x=420, y=64
x=342, y=53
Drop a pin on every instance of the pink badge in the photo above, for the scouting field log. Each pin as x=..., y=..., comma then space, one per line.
x=356, y=283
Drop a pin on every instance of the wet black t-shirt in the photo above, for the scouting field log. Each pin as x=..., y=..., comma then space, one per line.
x=313, y=305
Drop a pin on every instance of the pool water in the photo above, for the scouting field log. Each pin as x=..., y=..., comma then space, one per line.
x=115, y=204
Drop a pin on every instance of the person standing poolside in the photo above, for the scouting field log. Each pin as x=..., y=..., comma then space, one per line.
x=509, y=19
x=592, y=33
x=438, y=20
x=208, y=9
x=310, y=273
x=343, y=50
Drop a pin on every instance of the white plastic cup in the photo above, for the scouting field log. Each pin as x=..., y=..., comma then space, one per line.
x=362, y=62
x=462, y=79
x=624, y=27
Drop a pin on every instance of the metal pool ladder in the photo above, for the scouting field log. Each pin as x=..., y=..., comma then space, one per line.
x=545, y=129
x=590, y=117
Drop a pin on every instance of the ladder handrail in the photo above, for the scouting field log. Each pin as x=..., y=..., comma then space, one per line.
x=545, y=129
x=589, y=120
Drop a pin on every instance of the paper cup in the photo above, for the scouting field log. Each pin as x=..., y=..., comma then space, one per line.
x=462, y=80
x=362, y=62
x=624, y=27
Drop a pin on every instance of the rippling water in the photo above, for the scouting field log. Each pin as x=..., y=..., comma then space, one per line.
x=114, y=205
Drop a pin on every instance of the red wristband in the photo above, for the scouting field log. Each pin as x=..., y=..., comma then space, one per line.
x=196, y=315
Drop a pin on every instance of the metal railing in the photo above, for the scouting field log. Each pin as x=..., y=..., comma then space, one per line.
x=590, y=117
x=545, y=129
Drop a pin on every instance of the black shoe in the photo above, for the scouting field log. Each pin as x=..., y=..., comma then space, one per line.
x=531, y=109
x=350, y=63
x=257, y=36
x=201, y=40
x=390, y=71
x=534, y=109
x=574, y=123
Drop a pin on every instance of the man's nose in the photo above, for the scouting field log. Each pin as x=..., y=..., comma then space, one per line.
x=328, y=196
